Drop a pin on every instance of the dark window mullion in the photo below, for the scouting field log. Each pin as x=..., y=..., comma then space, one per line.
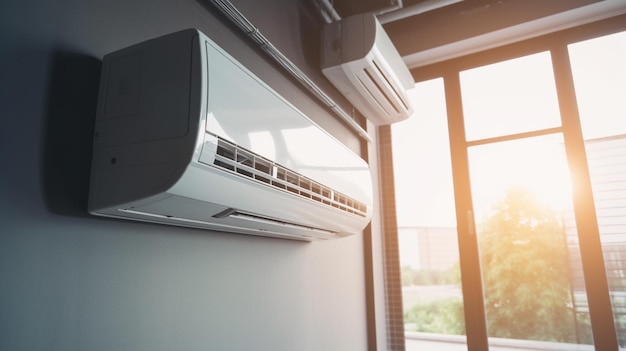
x=603, y=327
x=471, y=279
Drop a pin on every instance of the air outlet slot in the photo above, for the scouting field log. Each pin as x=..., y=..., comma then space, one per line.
x=245, y=163
x=259, y=218
x=398, y=96
x=381, y=90
x=306, y=233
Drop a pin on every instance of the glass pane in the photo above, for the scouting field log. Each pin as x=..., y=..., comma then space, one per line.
x=600, y=81
x=599, y=69
x=528, y=244
x=510, y=97
x=427, y=225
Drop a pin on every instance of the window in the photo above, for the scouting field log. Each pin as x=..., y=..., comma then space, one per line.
x=429, y=254
x=520, y=237
x=509, y=97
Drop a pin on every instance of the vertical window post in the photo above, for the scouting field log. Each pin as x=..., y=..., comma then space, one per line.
x=471, y=280
x=601, y=314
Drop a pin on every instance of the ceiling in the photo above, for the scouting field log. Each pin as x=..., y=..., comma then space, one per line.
x=429, y=31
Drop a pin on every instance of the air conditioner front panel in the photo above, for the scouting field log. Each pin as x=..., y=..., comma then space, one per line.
x=273, y=128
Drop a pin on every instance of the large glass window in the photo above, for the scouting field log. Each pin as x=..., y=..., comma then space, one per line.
x=482, y=175
x=600, y=81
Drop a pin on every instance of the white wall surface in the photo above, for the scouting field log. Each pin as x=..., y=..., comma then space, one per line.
x=70, y=281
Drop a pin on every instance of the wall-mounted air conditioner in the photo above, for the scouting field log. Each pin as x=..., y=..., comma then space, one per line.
x=362, y=63
x=185, y=135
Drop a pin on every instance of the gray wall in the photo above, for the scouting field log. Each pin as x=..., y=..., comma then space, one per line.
x=70, y=281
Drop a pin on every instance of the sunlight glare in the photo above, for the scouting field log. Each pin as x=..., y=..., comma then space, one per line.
x=537, y=164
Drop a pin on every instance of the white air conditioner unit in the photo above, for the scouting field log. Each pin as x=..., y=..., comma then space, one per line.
x=362, y=63
x=185, y=135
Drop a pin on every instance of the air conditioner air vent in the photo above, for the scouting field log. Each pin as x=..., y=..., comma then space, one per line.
x=394, y=90
x=238, y=160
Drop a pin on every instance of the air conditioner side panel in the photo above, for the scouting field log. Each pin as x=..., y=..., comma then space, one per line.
x=149, y=109
x=348, y=40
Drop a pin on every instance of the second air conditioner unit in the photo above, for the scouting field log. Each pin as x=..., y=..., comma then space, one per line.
x=363, y=64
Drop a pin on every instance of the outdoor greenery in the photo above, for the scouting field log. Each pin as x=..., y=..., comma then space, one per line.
x=525, y=271
x=525, y=278
x=441, y=316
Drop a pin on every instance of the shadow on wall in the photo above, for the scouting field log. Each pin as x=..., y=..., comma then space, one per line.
x=68, y=132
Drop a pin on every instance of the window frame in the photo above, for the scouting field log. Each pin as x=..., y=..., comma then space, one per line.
x=597, y=288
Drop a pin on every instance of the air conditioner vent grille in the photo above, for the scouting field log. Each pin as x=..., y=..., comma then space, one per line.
x=397, y=95
x=379, y=87
x=245, y=163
